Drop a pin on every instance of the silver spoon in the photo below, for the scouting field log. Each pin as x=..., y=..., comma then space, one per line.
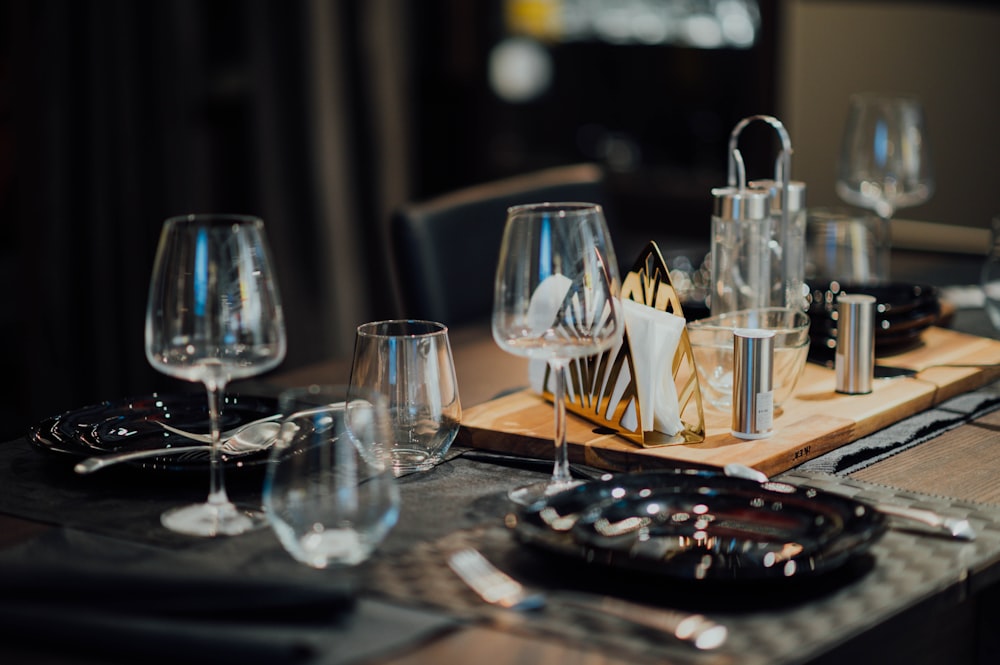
x=251, y=439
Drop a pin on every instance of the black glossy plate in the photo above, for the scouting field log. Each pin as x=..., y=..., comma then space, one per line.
x=903, y=312
x=702, y=526
x=134, y=424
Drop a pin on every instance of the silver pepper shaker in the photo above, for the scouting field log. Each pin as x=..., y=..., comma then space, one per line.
x=753, y=384
x=854, y=360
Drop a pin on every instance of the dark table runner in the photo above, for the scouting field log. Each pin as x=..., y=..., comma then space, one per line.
x=111, y=521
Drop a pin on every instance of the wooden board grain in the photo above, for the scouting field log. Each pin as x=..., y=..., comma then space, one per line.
x=815, y=420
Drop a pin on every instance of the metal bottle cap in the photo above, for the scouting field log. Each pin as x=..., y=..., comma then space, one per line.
x=753, y=396
x=739, y=203
x=854, y=360
x=796, y=194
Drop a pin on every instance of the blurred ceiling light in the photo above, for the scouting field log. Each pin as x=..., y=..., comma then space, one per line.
x=691, y=23
x=703, y=31
x=520, y=69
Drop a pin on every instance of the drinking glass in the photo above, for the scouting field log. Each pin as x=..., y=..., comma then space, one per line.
x=213, y=316
x=847, y=246
x=556, y=299
x=329, y=491
x=409, y=363
x=990, y=276
x=884, y=156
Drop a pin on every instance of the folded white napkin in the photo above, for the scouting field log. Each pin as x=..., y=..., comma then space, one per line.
x=546, y=302
x=653, y=337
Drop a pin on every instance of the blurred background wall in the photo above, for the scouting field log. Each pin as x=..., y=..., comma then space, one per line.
x=321, y=116
x=945, y=53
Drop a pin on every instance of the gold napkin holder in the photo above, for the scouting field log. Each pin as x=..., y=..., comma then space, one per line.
x=592, y=380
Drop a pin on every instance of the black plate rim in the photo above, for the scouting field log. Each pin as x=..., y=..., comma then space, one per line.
x=45, y=436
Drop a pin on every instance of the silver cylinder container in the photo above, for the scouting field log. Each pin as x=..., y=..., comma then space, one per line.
x=854, y=360
x=753, y=383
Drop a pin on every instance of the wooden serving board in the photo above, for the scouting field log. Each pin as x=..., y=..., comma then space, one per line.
x=815, y=420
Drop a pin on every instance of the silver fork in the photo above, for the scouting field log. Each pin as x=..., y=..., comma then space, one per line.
x=497, y=588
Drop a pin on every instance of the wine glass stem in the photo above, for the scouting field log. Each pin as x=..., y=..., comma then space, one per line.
x=217, y=487
x=884, y=246
x=560, y=468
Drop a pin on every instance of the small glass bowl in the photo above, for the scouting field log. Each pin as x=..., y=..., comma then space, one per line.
x=712, y=345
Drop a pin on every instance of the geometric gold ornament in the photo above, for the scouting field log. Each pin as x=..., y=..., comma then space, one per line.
x=593, y=382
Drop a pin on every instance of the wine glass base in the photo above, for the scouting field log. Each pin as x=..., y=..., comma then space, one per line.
x=529, y=494
x=212, y=519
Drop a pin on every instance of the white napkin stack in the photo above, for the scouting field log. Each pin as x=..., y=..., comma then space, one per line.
x=653, y=337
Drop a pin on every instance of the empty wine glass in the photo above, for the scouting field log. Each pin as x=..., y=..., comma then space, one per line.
x=885, y=157
x=329, y=492
x=213, y=316
x=555, y=299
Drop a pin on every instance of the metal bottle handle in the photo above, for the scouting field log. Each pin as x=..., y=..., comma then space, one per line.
x=782, y=166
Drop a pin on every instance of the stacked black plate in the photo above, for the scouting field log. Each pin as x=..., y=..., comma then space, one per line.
x=903, y=312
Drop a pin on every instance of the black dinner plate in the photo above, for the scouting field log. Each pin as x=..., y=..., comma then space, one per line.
x=134, y=424
x=702, y=526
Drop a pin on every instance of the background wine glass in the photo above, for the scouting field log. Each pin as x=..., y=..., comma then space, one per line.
x=555, y=299
x=213, y=316
x=884, y=161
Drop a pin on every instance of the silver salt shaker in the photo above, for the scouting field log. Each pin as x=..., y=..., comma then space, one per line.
x=854, y=360
x=753, y=384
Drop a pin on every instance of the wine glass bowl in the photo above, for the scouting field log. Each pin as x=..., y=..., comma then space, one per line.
x=555, y=300
x=213, y=316
x=885, y=159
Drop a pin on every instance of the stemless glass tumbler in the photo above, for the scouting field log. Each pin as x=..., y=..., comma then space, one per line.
x=409, y=363
x=329, y=491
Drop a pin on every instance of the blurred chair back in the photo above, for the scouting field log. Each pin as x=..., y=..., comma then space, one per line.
x=446, y=248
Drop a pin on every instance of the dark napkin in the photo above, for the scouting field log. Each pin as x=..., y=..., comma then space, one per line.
x=133, y=603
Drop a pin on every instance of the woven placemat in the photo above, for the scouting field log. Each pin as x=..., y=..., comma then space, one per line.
x=780, y=623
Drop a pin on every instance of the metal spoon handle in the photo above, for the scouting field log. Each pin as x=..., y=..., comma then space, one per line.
x=228, y=434
x=92, y=464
